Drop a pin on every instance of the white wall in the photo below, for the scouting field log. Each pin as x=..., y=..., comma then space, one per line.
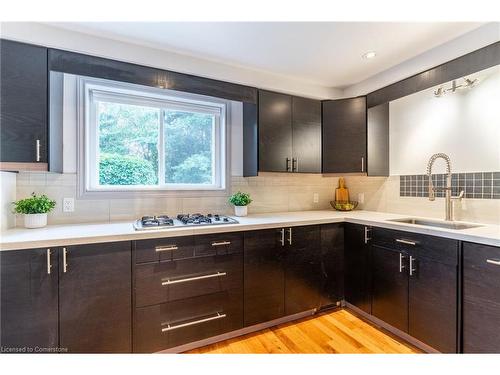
x=36, y=33
x=476, y=39
x=465, y=125
x=7, y=196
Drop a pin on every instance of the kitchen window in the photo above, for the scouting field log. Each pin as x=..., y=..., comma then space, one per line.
x=149, y=140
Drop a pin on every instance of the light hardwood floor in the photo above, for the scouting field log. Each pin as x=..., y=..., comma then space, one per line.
x=334, y=332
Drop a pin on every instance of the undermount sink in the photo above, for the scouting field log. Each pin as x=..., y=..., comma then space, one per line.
x=435, y=223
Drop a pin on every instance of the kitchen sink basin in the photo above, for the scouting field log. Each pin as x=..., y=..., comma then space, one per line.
x=436, y=223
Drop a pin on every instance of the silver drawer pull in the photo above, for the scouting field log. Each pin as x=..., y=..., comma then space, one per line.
x=367, y=237
x=172, y=327
x=282, y=236
x=289, y=236
x=166, y=248
x=222, y=243
x=496, y=262
x=412, y=270
x=212, y=275
x=406, y=242
x=37, y=150
x=49, y=265
x=65, y=260
x=401, y=264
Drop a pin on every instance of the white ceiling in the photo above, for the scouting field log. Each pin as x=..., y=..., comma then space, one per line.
x=322, y=53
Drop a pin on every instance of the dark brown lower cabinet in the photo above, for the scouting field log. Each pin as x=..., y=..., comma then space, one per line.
x=415, y=286
x=481, y=298
x=303, y=278
x=264, y=276
x=29, y=300
x=95, y=298
x=390, y=287
x=432, y=304
x=332, y=264
x=166, y=325
x=357, y=267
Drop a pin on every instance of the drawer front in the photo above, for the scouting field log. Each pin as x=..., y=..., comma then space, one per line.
x=164, y=249
x=481, y=306
x=175, y=323
x=169, y=281
x=419, y=245
x=218, y=244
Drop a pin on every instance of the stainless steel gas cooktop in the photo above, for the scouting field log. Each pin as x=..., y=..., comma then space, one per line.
x=182, y=220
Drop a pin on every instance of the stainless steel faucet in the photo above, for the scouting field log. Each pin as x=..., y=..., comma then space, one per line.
x=447, y=189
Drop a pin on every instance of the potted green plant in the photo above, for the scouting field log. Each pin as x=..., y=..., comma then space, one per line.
x=34, y=209
x=240, y=201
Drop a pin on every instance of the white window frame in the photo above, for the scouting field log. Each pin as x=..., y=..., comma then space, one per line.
x=92, y=90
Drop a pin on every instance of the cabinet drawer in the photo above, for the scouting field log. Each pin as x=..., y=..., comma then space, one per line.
x=168, y=281
x=218, y=244
x=164, y=249
x=175, y=323
x=481, y=278
x=419, y=245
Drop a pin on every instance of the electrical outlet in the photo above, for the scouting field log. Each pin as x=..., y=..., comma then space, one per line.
x=68, y=204
x=315, y=197
x=361, y=198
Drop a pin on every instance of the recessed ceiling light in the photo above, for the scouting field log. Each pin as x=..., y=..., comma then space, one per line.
x=369, y=55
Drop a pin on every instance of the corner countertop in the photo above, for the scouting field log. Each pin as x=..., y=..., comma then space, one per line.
x=75, y=234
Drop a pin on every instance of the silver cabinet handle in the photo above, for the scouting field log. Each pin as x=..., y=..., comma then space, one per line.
x=212, y=275
x=406, y=242
x=362, y=164
x=282, y=237
x=288, y=164
x=177, y=326
x=295, y=164
x=411, y=266
x=496, y=262
x=166, y=248
x=289, y=230
x=367, y=230
x=401, y=264
x=65, y=263
x=37, y=150
x=49, y=264
x=222, y=243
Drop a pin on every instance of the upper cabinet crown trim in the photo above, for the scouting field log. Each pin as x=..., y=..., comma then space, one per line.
x=92, y=66
x=472, y=62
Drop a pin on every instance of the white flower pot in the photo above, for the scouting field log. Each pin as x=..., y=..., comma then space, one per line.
x=241, y=210
x=35, y=220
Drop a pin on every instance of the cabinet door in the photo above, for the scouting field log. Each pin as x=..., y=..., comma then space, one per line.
x=29, y=299
x=275, y=132
x=95, y=296
x=344, y=135
x=357, y=267
x=481, y=298
x=264, y=279
x=390, y=287
x=303, y=278
x=23, y=102
x=306, y=130
x=432, y=305
x=332, y=264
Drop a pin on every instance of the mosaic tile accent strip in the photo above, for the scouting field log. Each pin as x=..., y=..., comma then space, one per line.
x=478, y=185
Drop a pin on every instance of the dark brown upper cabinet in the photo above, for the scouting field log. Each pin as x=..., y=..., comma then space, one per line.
x=275, y=132
x=344, y=136
x=289, y=133
x=23, y=98
x=378, y=140
x=306, y=135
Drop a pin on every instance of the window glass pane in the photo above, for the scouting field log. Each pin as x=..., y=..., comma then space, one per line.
x=128, y=144
x=189, y=148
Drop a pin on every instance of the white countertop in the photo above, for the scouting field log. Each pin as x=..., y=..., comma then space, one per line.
x=74, y=234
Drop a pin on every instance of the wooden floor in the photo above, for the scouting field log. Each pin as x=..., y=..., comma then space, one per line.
x=334, y=332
